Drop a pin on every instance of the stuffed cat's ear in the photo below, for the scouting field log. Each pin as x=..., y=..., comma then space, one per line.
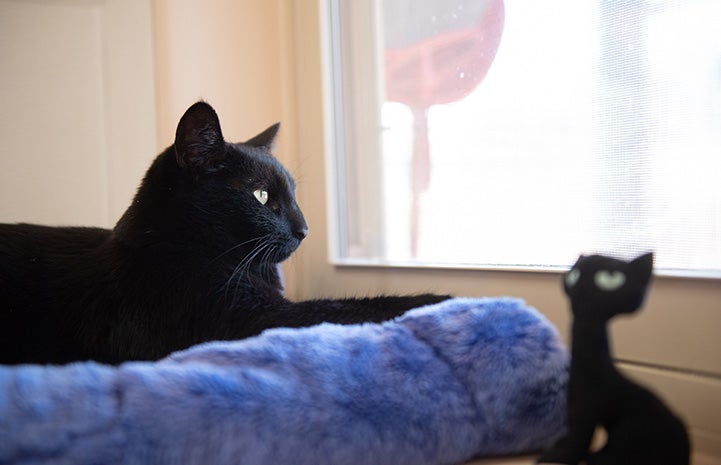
x=265, y=139
x=199, y=142
x=643, y=265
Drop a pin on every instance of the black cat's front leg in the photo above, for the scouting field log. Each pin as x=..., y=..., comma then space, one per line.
x=386, y=307
x=364, y=310
x=341, y=311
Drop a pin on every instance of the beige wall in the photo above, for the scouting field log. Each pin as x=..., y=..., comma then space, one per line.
x=77, y=125
x=231, y=54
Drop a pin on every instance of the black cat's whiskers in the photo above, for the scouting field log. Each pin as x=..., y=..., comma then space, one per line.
x=243, y=266
x=263, y=249
x=267, y=265
x=237, y=246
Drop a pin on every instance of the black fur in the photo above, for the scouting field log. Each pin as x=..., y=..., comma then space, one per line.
x=640, y=429
x=194, y=258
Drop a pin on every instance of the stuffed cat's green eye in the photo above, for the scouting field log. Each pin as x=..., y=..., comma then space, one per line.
x=609, y=280
x=261, y=196
x=572, y=277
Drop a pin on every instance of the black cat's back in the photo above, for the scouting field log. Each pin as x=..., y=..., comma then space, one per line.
x=38, y=270
x=30, y=253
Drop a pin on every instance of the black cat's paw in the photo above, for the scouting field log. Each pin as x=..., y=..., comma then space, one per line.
x=420, y=300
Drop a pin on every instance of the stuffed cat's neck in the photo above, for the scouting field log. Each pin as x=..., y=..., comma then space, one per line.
x=590, y=340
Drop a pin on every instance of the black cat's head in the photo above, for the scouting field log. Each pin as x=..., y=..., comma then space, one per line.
x=601, y=287
x=237, y=191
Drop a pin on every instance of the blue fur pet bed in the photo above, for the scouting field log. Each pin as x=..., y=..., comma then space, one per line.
x=440, y=385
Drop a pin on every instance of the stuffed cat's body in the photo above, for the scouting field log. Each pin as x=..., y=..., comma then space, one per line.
x=640, y=429
x=193, y=259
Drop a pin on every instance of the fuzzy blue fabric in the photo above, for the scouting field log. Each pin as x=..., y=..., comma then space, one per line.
x=440, y=385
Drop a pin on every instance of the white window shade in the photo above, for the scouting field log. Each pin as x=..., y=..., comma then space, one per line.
x=596, y=128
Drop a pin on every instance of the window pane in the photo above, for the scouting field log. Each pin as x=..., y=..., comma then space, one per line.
x=522, y=133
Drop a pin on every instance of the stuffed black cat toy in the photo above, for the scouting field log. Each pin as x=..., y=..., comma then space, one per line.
x=194, y=258
x=640, y=429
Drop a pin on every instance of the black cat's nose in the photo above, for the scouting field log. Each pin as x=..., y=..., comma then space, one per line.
x=301, y=232
x=298, y=225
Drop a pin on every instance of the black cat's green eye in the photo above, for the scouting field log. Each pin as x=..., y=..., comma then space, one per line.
x=261, y=195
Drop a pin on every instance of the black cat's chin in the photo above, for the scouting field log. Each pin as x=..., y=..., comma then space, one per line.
x=284, y=252
x=272, y=251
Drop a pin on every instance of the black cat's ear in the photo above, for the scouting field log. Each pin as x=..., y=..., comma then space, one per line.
x=199, y=142
x=643, y=265
x=265, y=139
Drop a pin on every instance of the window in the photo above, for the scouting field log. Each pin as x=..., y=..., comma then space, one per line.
x=518, y=134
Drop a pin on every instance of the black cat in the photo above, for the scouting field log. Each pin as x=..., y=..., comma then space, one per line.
x=193, y=259
x=640, y=429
